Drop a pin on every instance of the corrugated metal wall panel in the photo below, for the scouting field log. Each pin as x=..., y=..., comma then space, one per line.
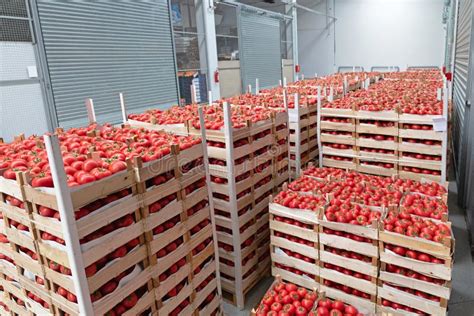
x=260, y=49
x=98, y=49
x=22, y=109
x=461, y=73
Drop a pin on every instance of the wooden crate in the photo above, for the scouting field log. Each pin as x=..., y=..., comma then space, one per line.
x=130, y=195
x=361, y=309
x=338, y=126
x=338, y=139
x=405, y=146
x=328, y=150
x=407, y=132
x=329, y=161
x=443, y=291
x=364, y=304
x=369, y=127
x=233, y=197
x=372, y=143
x=438, y=250
x=279, y=243
x=15, y=297
x=367, y=153
x=369, y=250
x=278, y=279
x=325, y=111
x=377, y=115
x=93, y=251
x=385, y=291
x=418, y=176
x=419, y=163
x=376, y=169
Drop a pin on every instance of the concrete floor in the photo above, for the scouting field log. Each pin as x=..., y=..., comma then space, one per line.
x=462, y=296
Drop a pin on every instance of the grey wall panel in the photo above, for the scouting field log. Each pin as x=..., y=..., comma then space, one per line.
x=19, y=94
x=99, y=49
x=461, y=74
x=21, y=110
x=260, y=49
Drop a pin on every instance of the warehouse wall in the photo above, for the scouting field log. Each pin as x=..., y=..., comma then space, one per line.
x=21, y=101
x=389, y=33
x=370, y=33
x=316, y=39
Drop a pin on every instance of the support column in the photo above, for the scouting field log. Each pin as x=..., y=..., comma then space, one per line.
x=208, y=47
x=294, y=13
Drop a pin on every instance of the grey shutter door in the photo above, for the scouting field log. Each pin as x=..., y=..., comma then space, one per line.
x=99, y=49
x=461, y=75
x=260, y=49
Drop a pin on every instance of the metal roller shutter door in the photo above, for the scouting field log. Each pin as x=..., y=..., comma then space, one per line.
x=260, y=49
x=461, y=75
x=98, y=49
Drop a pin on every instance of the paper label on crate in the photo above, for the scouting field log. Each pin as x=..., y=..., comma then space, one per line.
x=307, y=277
x=30, y=275
x=85, y=247
x=55, y=245
x=124, y=281
x=5, y=262
x=36, y=307
x=440, y=124
x=26, y=233
x=278, y=251
x=106, y=206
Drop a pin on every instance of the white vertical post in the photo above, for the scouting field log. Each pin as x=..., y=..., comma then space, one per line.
x=279, y=83
x=315, y=75
x=294, y=28
x=284, y=80
x=302, y=76
x=122, y=106
x=345, y=87
x=209, y=196
x=68, y=225
x=229, y=146
x=285, y=104
x=297, y=135
x=249, y=89
x=331, y=93
x=367, y=83
x=320, y=148
x=193, y=94
x=90, y=111
x=444, y=141
x=206, y=30
x=257, y=86
x=209, y=96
